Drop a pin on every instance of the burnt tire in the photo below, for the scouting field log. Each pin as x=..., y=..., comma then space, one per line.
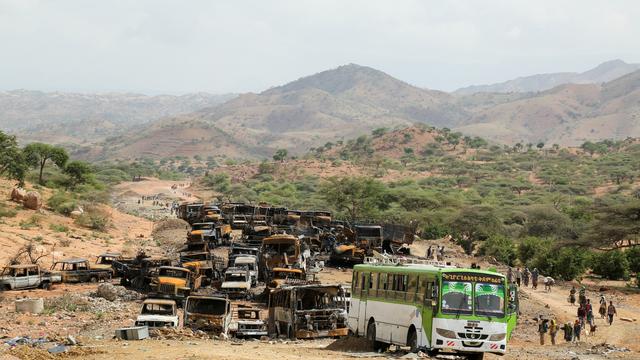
x=475, y=356
x=93, y=279
x=46, y=285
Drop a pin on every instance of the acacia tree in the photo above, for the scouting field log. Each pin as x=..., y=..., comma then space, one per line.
x=616, y=225
x=358, y=196
x=280, y=155
x=79, y=172
x=37, y=155
x=12, y=161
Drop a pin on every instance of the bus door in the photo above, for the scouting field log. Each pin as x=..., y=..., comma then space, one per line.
x=513, y=307
x=427, y=300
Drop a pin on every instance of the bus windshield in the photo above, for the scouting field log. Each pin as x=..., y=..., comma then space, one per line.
x=489, y=299
x=456, y=297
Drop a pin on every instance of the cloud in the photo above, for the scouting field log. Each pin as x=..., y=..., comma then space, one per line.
x=238, y=46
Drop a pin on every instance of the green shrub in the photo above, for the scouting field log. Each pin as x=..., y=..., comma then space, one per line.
x=59, y=228
x=500, y=247
x=7, y=212
x=612, y=265
x=62, y=203
x=31, y=222
x=565, y=263
x=633, y=257
x=94, y=218
x=530, y=247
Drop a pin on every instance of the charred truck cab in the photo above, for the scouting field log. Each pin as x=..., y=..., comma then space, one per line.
x=208, y=313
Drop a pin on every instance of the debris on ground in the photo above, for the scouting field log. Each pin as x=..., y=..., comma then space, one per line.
x=114, y=292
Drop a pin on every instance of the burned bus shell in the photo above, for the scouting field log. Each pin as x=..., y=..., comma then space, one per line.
x=308, y=311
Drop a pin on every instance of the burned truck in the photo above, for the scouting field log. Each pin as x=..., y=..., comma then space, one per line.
x=175, y=283
x=353, y=245
x=281, y=251
x=208, y=313
x=79, y=270
x=308, y=311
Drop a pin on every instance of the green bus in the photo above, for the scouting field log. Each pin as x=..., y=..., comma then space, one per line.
x=432, y=307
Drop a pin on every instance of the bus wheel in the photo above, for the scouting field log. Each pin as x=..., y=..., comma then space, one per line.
x=377, y=346
x=475, y=356
x=412, y=340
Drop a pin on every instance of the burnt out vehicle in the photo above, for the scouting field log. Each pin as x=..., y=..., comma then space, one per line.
x=27, y=276
x=211, y=213
x=175, y=283
x=253, y=235
x=282, y=251
x=249, y=324
x=139, y=271
x=79, y=270
x=308, y=311
x=353, y=245
x=190, y=212
x=208, y=313
x=237, y=283
x=158, y=313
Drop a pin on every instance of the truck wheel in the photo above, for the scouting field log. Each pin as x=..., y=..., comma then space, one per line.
x=93, y=279
x=46, y=285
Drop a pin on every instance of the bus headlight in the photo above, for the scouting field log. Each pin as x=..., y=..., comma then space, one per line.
x=446, y=333
x=497, y=337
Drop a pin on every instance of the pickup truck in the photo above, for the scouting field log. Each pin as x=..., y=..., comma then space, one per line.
x=249, y=262
x=249, y=324
x=79, y=270
x=237, y=283
x=28, y=276
x=158, y=313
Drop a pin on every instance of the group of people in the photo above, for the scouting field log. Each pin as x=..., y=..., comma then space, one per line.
x=585, y=321
x=437, y=252
x=522, y=277
x=585, y=309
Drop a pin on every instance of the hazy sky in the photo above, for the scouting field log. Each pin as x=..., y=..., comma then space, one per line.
x=237, y=46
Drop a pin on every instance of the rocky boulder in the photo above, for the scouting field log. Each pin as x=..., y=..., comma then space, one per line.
x=32, y=200
x=18, y=194
x=114, y=292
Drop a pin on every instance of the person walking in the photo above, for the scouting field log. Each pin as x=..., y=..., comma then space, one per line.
x=576, y=330
x=568, y=332
x=553, y=330
x=429, y=252
x=589, y=311
x=582, y=296
x=518, y=276
x=442, y=253
x=543, y=327
x=510, y=275
x=611, y=311
x=603, y=307
x=525, y=276
x=582, y=314
x=572, y=295
x=534, y=278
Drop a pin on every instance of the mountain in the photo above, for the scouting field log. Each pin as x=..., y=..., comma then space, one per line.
x=567, y=115
x=61, y=117
x=340, y=103
x=310, y=111
x=604, y=72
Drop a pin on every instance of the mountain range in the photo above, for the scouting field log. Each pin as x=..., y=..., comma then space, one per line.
x=351, y=100
x=604, y=72
x=63, y=117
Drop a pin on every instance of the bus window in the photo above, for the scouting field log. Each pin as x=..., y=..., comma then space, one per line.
x=370, y=285
x=363, y=282
x=422, y=289
x=374, y=284
x=356, y=282
x=412, y=287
